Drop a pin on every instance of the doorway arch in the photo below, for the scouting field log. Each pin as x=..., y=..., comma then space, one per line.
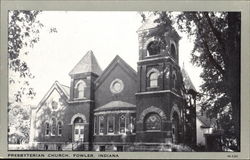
x=78, y=121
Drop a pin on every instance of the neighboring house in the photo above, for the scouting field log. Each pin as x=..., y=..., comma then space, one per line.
x=117, y=109
x=204, y=126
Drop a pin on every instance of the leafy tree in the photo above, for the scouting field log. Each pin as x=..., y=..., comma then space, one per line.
x=23, y=33
x=216, y=49
x=19, y=123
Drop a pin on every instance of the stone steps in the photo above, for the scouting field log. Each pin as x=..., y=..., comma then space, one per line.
x=153, y=147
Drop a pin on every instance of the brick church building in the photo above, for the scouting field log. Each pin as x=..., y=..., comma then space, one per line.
x=119, y=109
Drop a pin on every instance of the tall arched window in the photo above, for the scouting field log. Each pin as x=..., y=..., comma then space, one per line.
x=153, y=48
x=153, y=79
x=122, y=124
x=111, y=124
x=53, y=132
x=79, y=88
x=47, y=128
x=101, y=125
x=173, y=50
x=59, y=127
x=131, y=126
x=95, y=125
x=152, y=122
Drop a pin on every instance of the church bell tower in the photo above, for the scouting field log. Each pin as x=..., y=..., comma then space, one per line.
x=159, y=99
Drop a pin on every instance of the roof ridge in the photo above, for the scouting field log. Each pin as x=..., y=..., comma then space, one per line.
x=187, y=77
x=111, y=64
x=88, y=63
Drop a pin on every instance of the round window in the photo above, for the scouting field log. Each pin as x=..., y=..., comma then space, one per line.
x=54, y=104
x=116, y=86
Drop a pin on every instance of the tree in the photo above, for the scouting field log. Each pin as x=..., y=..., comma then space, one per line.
x=19, y=123
x=217, y=50
x=23, y=33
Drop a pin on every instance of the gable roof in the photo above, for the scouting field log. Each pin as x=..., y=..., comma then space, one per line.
x=187, y=80
x=116, y=61
x=116, y=105
x=62, y=89
x=87, y=64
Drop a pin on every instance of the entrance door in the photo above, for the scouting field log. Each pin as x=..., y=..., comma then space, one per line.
x=175, y=128
x=78, y=132
x=175, y=132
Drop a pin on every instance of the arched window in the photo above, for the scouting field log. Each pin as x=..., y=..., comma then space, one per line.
x=122, y=124
x=153, y=79
x=173, y=50
x=111, y=124
x=152, y=122
x=131, y=126
x=95, y=125
x=59, y=127
x=80, y=86
x=53, y=132
x=46, y=128
x=153, y=48
x=101, y=125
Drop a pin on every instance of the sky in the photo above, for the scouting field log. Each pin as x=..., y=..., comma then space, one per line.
x=107, y=34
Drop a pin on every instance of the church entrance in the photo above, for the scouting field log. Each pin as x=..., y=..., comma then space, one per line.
x=78, y=130
x=175, y=128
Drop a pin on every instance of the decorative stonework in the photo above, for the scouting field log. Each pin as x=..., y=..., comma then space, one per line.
x=116, y=86
x=54, y=104
x=78, y=115
x=147, y=42
x=153, y=70
x=80, y=81
x=154, y=110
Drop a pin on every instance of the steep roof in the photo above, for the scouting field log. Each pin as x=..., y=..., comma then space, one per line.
x=66, y=89
x=116, y=105
x=116, y=61
x=149, y=23
x=87, y=64
x=59, y=87
x=187, y=81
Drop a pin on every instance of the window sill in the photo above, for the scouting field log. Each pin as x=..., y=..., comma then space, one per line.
x=111, y=133
x=153, y=131
x=80, y=98
x=154, y=87
x=115, y=134
x=152, y=56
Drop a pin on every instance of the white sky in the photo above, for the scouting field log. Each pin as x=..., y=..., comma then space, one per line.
x=107, y=34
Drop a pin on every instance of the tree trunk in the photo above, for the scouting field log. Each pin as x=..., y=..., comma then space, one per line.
x=234, y=70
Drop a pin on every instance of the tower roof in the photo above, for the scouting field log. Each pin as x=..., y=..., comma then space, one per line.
x=149, y=23
x=87, y=64
x=187, y=81
x=152, y=24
